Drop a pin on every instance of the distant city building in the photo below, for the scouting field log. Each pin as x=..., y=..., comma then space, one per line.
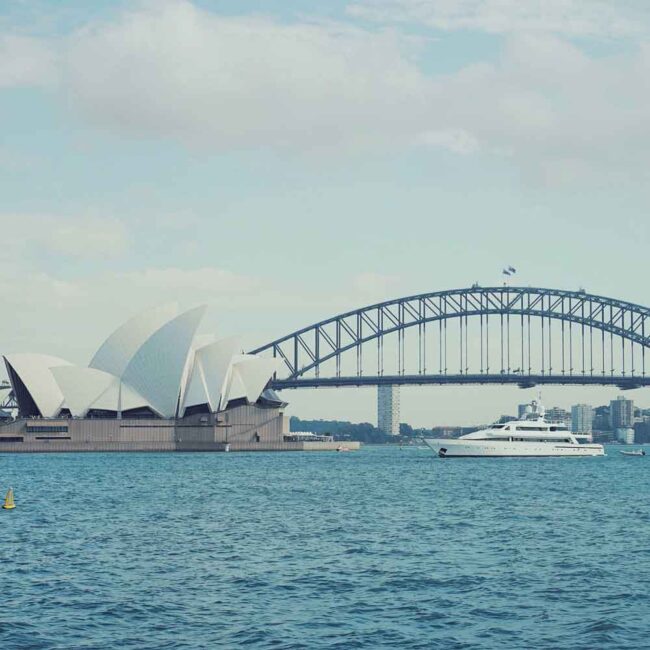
x=447, y=432
x=621, y=413
x=601, y=421
x=558, y=415
x=603, y=436
x=638, y=415
x=625, y=435
x=642, y=432
x=582, y=417
x=388, y=409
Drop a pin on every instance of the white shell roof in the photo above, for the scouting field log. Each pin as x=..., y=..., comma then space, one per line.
x=196, y=392
x=81, y=386
x=215, y=362
x=155, y=360
x=34, y=371
x=234, y=385
x=89, y=388
x=211, y=372
x=120, y=396
x=189, y=377
x=115, y=354
x=255, y=374
x=235, y=388
x=249, y=376
x=157, y=367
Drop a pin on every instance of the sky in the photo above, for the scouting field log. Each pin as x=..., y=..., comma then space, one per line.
x=284, y=161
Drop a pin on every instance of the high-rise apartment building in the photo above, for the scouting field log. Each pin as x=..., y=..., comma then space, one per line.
x=558, y=415
x=388, y=409
x=625, y=435
x=582, y=418
x=621, y=413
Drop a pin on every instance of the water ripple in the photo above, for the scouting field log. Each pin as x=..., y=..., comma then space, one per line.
x=377, y=549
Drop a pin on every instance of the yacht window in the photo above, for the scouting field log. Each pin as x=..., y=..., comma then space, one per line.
x=532, y=429
x=541, y=440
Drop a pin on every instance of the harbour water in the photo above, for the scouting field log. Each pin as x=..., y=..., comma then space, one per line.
x=381, y=548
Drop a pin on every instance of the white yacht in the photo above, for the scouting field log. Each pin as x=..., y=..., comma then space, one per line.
x=530, y=436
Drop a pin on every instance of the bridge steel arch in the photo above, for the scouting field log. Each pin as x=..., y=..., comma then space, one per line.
x=307, y=349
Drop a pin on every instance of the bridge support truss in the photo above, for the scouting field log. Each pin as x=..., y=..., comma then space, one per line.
x=478, y=335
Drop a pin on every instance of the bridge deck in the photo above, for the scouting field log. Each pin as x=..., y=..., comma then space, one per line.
x=523, y=335
x=523, y=381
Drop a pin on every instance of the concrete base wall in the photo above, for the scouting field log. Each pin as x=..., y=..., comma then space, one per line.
x=243, y=428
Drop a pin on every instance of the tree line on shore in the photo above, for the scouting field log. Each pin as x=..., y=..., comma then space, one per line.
x=362, y=431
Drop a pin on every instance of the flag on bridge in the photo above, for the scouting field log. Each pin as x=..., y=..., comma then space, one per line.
x=509, y=270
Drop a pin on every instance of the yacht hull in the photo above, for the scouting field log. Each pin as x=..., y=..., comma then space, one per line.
x=459, y=448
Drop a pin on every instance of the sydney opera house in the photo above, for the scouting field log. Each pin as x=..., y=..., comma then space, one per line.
x=153, y=385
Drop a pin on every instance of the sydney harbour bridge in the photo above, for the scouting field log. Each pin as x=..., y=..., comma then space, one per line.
x=478, y=335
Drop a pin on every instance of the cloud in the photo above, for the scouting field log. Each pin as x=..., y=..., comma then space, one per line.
x=174, y=70
x=80, y=311
x=171, y=70
x=545, y=104
x=573, y=18
x=66, y=236
x=205, y=281
x=456, y=140
x=89, y=236
x=26, y=61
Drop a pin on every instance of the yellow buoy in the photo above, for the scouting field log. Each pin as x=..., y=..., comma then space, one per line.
x=9, y=500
